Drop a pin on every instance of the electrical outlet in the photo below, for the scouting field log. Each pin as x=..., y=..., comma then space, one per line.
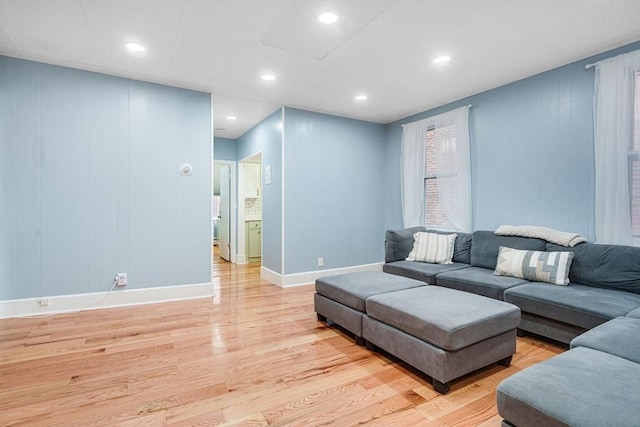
x=121, y=279
x=320, y=262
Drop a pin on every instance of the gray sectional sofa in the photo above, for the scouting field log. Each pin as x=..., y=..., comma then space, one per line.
x=596, y=382
x=604, y=280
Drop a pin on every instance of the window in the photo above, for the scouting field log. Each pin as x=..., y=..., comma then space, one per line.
x=436, y=172
x=634, y=168
x=440, y=167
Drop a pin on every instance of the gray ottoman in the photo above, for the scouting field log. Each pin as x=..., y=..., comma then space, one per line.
x=582, y=387
x=341, y=298
x=443, y=332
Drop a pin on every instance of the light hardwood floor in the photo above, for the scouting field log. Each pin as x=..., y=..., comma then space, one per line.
x=253, y=355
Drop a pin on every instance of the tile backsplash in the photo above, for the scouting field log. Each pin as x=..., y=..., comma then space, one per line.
x=252, y=208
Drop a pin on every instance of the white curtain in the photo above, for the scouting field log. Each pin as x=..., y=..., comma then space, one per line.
x=452, y=148
x=454, y=192
x=412, y=177
x=613, y=109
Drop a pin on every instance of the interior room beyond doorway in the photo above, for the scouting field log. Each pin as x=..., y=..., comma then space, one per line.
x=250, y=209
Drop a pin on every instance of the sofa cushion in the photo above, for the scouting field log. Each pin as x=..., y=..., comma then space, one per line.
x=352, y=289
x=578, y=305
x=420, y=270
x=398, y=243
x=634, y=313
x=462, y=248
x=619, y=336
x=432, y=248
x=537, y=266
x=446, y=318
x=581, y=387
x=486, y=245
x=604, y=266
x=479, y=281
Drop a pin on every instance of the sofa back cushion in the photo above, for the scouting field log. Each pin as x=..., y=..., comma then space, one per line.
x=398, y=243
x=486, y=245
x=604, y=266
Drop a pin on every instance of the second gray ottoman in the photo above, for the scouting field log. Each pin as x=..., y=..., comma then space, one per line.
x=341, y=298
x=443, y=332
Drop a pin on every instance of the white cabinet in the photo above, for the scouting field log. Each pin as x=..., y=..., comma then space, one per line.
x=253, y=181
x=254, y=239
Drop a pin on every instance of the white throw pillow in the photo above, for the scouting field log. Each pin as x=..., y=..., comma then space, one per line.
x=432, y=247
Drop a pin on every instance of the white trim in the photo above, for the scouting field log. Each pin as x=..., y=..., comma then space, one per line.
x=233, y=212
x=309, y=277
x=270, y=276
x=212, y=180
x=97, y=300
x=282, y=188
x=240, y=244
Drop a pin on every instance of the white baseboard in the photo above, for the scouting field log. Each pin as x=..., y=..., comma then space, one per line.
x=270, y=276
x=92, y=301
x=308, y=277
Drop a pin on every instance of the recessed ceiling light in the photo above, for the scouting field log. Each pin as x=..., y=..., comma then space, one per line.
x=268, y=77
x=328, y=18
x=361, y=97
x=135, y=47
x=442, y=59
x=231, y=117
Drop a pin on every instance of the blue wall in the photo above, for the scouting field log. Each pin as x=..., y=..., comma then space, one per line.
x=334, y=199
x=266, y=138
x=90, y=185
x=225, y=149
x=531, y=152
x=89, y=182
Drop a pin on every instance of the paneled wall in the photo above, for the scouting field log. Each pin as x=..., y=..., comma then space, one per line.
x=225, y=149
x=90, y=183
x=531, y=152
x=266, y=138
x=333, y=187
x=334, y=191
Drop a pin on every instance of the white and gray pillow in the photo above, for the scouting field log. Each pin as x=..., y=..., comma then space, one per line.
x=537, y=266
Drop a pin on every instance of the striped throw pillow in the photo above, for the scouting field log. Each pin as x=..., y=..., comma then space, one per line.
x=433, y=248
x=537, y=266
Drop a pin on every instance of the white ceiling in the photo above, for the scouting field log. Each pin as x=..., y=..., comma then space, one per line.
x=383, y=48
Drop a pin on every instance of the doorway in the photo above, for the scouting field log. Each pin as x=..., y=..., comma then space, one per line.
x=224, y=212
x=250, y=209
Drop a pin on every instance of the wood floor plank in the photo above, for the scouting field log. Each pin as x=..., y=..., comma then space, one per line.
x=252, y=355
x=305, y=405
x=407, y=417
